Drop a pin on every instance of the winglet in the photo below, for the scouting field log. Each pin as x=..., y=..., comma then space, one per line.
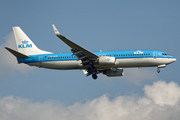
x=56, y=30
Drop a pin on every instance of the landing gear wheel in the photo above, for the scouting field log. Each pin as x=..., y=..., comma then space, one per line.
x=158, y=70
x=94, y=76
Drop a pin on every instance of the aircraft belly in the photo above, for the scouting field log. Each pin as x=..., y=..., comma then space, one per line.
x=159, y=61
x=61, y=65
x=120, y=63
x=129, y=62
x=134, y=62
x=102, y=67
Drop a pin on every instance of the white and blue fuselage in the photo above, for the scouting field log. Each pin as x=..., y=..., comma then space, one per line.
x=124, y=59
x=109, y=63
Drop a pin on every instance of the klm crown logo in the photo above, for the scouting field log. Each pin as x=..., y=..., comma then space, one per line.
x=108, y=59
x=25, y=44
x=138, y=52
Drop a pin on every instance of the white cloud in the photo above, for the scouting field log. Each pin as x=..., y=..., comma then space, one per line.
x=148, y=107
x=162, y=93
x=8, y=62
x=138, y=75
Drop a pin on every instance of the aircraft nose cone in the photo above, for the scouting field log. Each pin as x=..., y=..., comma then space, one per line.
x=174, y=59
x=171, y=60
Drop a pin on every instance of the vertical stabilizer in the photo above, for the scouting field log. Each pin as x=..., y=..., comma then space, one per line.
x=25, y=45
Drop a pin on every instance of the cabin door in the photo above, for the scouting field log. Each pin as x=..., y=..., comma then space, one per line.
x=154, y=54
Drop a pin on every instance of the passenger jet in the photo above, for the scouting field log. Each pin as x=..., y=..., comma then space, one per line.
x=109, y=63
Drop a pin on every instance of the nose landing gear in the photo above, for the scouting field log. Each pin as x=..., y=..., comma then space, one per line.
x=158, y=70
x=161, y=66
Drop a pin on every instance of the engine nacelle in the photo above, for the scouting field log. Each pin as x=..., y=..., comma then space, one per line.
x=114, y=72
x=105, y=60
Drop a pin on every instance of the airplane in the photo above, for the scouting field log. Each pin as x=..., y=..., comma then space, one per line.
x=109, y=63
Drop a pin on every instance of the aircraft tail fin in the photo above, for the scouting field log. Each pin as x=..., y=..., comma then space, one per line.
x=17, y=54
x=25, y=45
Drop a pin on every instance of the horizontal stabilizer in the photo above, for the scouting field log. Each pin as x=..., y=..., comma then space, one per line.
x=17, y=54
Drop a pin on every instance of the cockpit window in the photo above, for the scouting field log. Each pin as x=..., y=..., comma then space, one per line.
x=164, y=54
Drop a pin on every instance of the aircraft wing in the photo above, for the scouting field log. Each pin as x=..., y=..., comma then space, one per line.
x=82, y=53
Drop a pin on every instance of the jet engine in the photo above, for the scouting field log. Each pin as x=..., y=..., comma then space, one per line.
x=113, y=72
x=105, y=60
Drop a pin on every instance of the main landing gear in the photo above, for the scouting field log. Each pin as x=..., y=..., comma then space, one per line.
x=92, y=70
x=94, y=76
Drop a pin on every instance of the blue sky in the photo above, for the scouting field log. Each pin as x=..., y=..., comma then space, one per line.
x=95, y=25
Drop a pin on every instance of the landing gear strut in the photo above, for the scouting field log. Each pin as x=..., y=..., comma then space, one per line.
x=158, y=70
x=92, y=70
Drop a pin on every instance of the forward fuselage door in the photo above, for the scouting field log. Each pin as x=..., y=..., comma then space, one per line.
x=155, y=54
